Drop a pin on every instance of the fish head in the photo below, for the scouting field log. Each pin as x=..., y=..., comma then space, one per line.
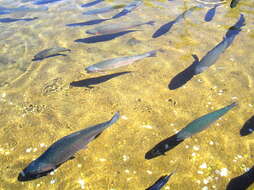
x=153, y=153
x=35, y=170
x=92, y=69
x=92, y=31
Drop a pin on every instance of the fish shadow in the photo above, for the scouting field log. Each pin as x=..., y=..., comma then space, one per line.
x=163, y=29
x=89, y=4
x=10, y=20
x=162, y=147
x=39, y=59
x=87, y=23
x=120, y=14
x=96, y=80
x=248, y=127
x=242, y=182
x=183, y=77
x=42, y=2
x=103, y=38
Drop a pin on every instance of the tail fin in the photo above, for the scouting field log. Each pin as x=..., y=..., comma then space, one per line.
x=114, y=118
x=152, y=53
x=150, y=23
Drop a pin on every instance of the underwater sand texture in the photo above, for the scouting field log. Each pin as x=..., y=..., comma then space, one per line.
x=39, y=106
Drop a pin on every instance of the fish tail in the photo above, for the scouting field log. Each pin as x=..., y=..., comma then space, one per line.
x=232, y=105
x=152, y=53
x=152, y=22
x=114, y=118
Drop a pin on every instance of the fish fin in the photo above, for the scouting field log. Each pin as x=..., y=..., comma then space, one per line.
x=152, y=53
x=96, y=136
x=72, y=157
x=114, y=118
x=151, y=23
x=101, y=17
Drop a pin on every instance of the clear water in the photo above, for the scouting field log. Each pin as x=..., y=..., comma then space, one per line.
x=39, y=106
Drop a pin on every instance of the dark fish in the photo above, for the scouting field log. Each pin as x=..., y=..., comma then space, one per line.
x=162, y=147
x=166, y=27
x=8, y=20
x=5, y=10
x=160, y=182
x=213, y=55
x=203, y=122
x=248, y=127
x=51, y=52
x=210, y=14
x=103, y=10
x=42, y=2
x=63, y=150
x=127, y=9
x=113, y=28
x=118, y=62
x=234, y=3
x=87, y=23
x=91, y=3
x=96, y=80
x=242, y=182
x=103, y=38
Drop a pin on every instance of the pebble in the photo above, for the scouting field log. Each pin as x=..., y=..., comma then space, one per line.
x=205, y=181
x=149, y=172
x=205, y=188
x=196, y=148
x=103, y=159
x=28, y=150
x=147, y=126
x=82, y=183
x=127, y=171
x=52, y=181
x=224, y=172
x=125, y=158
x=203, y=166
x=124, y=117
x=211, y=143
x=79, y=165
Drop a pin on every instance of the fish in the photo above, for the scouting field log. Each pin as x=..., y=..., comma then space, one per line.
x=128, y=8
x=213, y=55
x=92, y=3
x=117, y=62
x=103, y=10
x=166, y=27
x=160, y=182
x=234, y=3
x=210, y=14
x=51, y=52
x=203, y=122
x=113, y=28
x=248, y=127
x=63, y=150
x=8, y=20
x=6, y=10
x=42, y=2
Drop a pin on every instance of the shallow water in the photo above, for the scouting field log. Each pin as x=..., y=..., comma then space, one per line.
x=39, y=106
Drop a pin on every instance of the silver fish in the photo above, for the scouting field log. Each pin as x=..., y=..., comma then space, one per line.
x=118, y=62
x=114, y=28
